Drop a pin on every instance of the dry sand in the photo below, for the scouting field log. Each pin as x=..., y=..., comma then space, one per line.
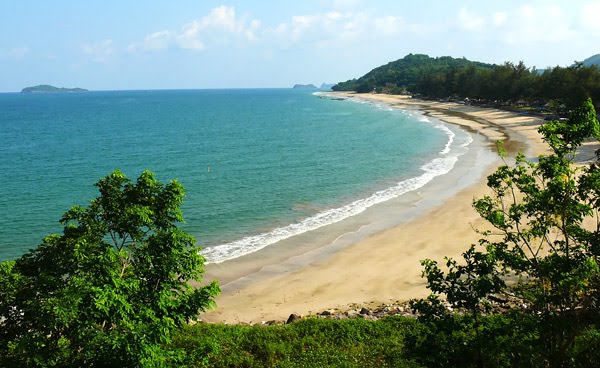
x=384, y=266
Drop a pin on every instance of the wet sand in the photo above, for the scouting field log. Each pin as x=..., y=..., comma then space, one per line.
x=376, y=264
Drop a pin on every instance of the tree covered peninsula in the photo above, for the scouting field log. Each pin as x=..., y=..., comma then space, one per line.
x=562, y=88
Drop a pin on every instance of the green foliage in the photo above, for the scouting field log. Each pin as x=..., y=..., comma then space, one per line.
x=538, y=211
x=110, y=290
x=465, y=285
x=586, y=348
x=564, y=137
x=307, y=343
x=461, y=341
x=442, y=77
x=497, y=340
x=407, y=73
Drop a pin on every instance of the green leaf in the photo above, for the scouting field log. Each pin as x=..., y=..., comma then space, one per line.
x=114, y=285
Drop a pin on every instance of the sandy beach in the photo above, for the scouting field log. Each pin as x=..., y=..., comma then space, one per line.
x=380, y=267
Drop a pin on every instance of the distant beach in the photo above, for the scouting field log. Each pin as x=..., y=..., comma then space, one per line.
x=378, y=263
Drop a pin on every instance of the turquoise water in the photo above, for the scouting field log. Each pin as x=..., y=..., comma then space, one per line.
x=258, y=165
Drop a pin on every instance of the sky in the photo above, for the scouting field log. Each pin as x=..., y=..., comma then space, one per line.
x=189, y=44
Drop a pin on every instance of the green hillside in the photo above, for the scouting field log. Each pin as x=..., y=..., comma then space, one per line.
x=592, y=60
x=406, y=73
x=561, y=88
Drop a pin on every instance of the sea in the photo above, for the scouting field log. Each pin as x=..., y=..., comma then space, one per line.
x=258, y=165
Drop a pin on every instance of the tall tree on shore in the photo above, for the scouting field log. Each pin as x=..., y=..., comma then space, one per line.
x=111, y=289
x=546, y=235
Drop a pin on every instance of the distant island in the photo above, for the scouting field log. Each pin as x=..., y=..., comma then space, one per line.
x=327, y=86
x=305, y=86
x=45, y=88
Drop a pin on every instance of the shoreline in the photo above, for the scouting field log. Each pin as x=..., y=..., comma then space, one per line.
x=380, y=264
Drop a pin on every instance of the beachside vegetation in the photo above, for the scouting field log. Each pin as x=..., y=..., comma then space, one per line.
x=311, y=342
x=557, y=89
x=543, y=251
x=497, y=340
x=405, y=74
x=112, y=289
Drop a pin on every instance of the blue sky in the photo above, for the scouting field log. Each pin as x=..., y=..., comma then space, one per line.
x=126, y=44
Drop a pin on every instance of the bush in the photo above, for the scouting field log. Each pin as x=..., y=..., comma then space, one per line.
x=111, y=289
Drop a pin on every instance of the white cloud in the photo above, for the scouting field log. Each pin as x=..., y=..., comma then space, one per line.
x=221, y=26
x=499, y=18
x=527, y=24
x=17, y=53
x=323, y=29
x=312, y=28
x=388, y=25
x=470, y=21
x=303, y=24
x=158, y=40
x=590, y=13
x=534, y=25
x=221, y=19
x=250, y=32
x=100, y=52
x=224, y=26
x=189, y=37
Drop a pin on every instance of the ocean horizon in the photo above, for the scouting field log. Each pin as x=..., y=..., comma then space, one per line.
x=258, y=165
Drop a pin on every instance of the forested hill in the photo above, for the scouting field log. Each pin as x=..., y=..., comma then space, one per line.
x=445, y=77
x=406, y=73
x=592, y=60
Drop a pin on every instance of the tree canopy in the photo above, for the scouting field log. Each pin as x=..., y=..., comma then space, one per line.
x=111, y=289
x=544, y=250
x=442, y=77
x=406, y=73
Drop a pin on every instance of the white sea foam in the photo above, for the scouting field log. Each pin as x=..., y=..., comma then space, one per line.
x=450, y=135
x=436, y=167
x=220, y=253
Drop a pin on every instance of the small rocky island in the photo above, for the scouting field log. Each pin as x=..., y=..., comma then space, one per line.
x=305, y=86
x=45, y=88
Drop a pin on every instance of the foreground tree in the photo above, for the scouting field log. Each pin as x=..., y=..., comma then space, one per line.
x=546, y=240
x=111, y=289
